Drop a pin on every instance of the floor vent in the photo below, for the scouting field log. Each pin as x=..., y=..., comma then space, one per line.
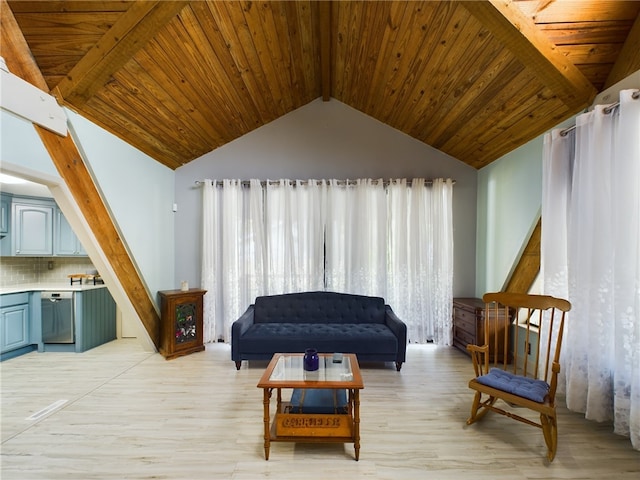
x=47, y=410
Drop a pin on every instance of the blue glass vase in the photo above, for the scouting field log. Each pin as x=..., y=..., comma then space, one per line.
x=311, y=361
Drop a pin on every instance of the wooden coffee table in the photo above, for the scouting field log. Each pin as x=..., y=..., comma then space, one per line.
x=285, y=372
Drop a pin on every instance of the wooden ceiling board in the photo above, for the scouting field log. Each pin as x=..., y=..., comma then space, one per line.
x=397, y=19
x=68, y=23
x=629, y=59
x=445, y=97
x=66, y=6
x=473, y=79
x=576, y=33
x=554, y=11
x=246, y=62
x=428, y=83
x=590, y=33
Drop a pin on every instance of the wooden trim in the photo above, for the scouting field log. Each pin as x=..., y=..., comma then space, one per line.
x=325, y=48
x=523, y=38
x=629, y=57
x=128, y=35
x=72, y=169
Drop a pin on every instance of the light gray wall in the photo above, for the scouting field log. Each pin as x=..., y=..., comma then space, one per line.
x=325, y=140
x=509, y=200
x=139, y=193
x=21, y=145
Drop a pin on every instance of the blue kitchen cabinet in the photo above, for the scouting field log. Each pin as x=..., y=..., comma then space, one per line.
x=5, y=209
x=95, y=318
x=15, y=331
x=32, y=229
x=65, y=241
x=36, y=226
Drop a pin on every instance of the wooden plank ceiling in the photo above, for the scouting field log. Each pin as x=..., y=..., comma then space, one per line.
x=472, y=79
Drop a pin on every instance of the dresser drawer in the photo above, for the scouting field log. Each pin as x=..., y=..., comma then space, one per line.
x=465, y=338
x=465, y=320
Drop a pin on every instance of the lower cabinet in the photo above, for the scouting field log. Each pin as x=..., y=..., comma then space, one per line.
x=95, y=318
x=14, y=322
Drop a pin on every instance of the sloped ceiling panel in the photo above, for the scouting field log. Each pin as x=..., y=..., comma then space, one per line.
x=178, y=79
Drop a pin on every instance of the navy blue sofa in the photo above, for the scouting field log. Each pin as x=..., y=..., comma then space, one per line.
x=328, y=321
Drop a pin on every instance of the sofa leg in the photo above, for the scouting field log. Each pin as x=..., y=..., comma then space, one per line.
x=398, y=366
x=238, y=365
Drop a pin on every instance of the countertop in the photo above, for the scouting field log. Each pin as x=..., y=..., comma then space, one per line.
x=49, y=286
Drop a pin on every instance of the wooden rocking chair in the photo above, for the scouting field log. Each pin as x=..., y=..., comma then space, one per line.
x=522, y=340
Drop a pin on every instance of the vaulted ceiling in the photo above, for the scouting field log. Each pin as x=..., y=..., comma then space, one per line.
x=473, y=79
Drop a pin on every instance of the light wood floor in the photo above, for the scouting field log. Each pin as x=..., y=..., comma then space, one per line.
x=131, y=414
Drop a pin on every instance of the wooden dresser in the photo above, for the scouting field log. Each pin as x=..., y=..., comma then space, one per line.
x=468, y=324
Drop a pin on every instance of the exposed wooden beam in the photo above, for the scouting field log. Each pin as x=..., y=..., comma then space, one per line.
x=128, y=35
x=628, y=60
x=325, y=48
x=74, y=172
x=522, y=37
x=528, y=266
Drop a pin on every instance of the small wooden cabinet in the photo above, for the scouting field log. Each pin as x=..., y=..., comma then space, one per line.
x=468, y=324
x=181, y=322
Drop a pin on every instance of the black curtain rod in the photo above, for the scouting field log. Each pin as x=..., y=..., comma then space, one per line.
x=246, y=183
x=635, y=95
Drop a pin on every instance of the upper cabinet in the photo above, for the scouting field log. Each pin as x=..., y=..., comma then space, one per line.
x=65, y=241
x=36, y=227
x=5, y=208
x=33, y=229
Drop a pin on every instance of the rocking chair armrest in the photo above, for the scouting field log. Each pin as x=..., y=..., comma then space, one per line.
x=480, y=358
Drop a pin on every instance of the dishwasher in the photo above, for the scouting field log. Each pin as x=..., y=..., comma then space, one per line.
x=58, y=317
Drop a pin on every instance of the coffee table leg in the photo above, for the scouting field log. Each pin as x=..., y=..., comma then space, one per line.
x=266, y=400
x=356, y=422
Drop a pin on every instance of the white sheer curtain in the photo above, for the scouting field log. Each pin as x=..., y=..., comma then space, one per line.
x=420, y=267
x=591, y=254
x=233, y=253
x=356, y=247
x=354, y=237
x=294, y=235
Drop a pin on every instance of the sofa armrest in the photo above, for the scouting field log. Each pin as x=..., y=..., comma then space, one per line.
x=399, y=329
x=237, y=329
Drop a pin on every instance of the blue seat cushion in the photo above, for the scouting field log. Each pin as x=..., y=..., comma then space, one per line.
x=319, y=400
x=525, y=387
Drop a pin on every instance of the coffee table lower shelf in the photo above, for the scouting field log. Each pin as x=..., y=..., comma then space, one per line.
x=313, y=428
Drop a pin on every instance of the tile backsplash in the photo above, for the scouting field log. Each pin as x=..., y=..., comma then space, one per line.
x=20, y=270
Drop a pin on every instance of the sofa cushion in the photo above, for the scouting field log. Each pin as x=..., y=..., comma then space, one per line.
x=319, y=307
x=360, y=338
x=525, y=387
